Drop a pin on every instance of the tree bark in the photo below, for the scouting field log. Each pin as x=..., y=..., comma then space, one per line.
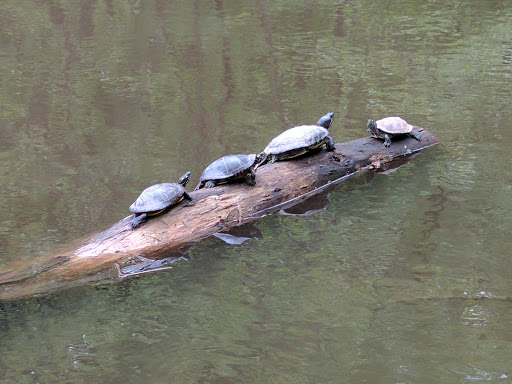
x=278, y=185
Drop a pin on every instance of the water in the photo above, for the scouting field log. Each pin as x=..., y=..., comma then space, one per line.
x=100, y=99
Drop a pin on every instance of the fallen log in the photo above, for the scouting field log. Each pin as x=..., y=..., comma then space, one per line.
x=278, y=186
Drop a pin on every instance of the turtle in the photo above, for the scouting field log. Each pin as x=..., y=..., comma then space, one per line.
x=157, y=198
x=389, y=128
x=228, y=169
x=299, y=140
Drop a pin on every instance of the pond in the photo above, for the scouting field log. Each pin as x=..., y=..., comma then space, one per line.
x=101, y=99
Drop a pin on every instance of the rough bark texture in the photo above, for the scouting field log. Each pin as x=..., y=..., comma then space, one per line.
x=213, y=210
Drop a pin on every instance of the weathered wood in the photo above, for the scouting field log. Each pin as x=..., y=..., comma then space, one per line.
x=278, y=185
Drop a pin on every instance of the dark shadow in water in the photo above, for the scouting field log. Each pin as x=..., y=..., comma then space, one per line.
x=239, y=235
x=265, y=21
x=226, y=78
x=314, y=204
x=339, y=25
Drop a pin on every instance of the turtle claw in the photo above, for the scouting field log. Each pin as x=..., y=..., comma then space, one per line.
x=387, y=140
x=138, y=220
x=329, y=143
x=251, y=179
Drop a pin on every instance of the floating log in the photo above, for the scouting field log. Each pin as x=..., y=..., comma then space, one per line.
x=278, y=186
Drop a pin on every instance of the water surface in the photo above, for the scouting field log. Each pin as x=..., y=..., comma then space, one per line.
x=100, y=99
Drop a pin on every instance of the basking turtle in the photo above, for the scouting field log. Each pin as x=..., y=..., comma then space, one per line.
x=389, y=128
x=157, y=198
x=228, y=169
x=297, y=141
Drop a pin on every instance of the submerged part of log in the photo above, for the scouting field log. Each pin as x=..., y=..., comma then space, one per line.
x=278, y=186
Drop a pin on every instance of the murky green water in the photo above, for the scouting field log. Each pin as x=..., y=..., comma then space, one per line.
x=100, y=99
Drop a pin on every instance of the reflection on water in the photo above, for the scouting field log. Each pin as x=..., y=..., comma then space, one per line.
x=312, y=205
x=100, y=100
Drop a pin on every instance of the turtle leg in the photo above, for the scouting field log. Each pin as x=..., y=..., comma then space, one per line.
x=273, y=158
x=251, y=180
x=387, y=140
x=329, y=143
x=138, y=220
x=187, y=196
x=209, y=184
x=416, y=135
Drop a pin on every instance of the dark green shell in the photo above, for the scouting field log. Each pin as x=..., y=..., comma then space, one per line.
x=158, y=197
x=227, y=168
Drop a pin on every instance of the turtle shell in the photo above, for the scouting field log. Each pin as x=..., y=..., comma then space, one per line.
x=295, y=138
x=228, y=166
x=394, y=125
x=158, y=197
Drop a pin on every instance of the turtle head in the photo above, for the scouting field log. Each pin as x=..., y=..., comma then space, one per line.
x=326, y=120
x=183, y=180
x=261, y=159
x=372, y=127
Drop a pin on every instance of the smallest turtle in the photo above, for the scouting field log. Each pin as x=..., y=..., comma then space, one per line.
x=157, y=198
x=389, y=128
